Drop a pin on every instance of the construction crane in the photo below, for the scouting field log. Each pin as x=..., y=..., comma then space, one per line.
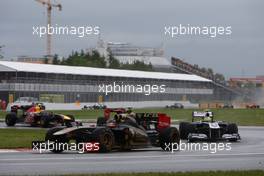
x=49, y=5
x=1, y=46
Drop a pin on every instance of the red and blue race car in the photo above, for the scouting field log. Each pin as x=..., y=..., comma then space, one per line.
x=36, y=115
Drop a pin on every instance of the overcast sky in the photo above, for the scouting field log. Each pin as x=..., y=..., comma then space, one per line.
x=142, y=22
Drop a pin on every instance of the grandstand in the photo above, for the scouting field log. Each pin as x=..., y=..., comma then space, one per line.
x=221, y=86
x=183, y=67
x=68, y=84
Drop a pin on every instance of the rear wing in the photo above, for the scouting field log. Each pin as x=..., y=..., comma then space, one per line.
x=202, y=114
x=160, y=120
x=164, y=121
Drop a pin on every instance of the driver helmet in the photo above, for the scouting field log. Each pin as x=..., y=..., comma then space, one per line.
x=132, y=114
x=37, y=108
x=207, y=116
x=129, y=110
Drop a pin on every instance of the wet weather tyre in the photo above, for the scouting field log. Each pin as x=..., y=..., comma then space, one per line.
x=232, y=128
x=58, y=140
x=184, y=130
x=45, y=121
x=101, y=121
x=11, y=119
x=105, y=138
x=168, y=137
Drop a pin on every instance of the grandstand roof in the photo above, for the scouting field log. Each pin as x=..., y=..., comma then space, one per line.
x=48, y=68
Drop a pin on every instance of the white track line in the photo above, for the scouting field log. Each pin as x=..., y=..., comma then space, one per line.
x=8, y=151
x=128, y=157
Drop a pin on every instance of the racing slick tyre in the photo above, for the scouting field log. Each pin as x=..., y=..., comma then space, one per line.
x=184, y=130
x=126, y=144
x=101, y=121
x=58, y=140
x=45, y=121
x=232, y=128
x=105, y=138
x=168, y=138
x=11, y=119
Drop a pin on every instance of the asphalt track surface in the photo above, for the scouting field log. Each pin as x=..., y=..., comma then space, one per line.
x=27, y=126
x=17, y=126
x=245, y=155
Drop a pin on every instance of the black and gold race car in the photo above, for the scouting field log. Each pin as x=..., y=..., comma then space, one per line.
x=124, y=131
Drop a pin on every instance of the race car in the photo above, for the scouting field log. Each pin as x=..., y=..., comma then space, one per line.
x=35, y=115
x=94, y=107
x=175, y=106
x=252, y=106
x=204, y=128
x=228, y=106
x=125, y=131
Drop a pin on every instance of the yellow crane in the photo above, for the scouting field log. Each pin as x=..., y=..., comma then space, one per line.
x=49, y=6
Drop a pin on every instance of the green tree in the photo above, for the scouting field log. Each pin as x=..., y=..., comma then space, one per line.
x=95, y=60
x=137, y=65
x=85, y=59
x=82, y=53
x=55, y=60
x=219, y=77
x=46, y=60
x=113, y=62
x=210, y=71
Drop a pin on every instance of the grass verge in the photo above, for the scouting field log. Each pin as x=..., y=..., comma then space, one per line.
x=20, y=138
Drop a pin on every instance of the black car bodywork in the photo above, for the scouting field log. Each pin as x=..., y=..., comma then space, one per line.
x=206, y=129
x=175, y=106
x=228, y=106
x=122, y=132
x=95, y=106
